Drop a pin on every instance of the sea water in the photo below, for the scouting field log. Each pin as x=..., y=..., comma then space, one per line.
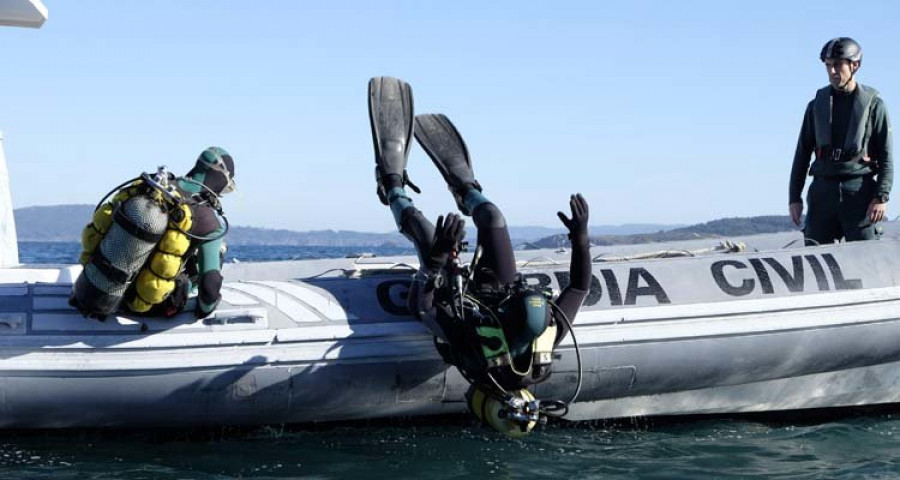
x=830, y=444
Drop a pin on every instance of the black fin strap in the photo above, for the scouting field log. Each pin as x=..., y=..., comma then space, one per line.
x=132, y=228
x=409, y=182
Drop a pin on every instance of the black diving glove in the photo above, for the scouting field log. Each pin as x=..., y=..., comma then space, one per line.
x=448, y=233
x=578, y=224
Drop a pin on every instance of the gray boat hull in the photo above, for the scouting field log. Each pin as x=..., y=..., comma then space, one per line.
x=718, y=333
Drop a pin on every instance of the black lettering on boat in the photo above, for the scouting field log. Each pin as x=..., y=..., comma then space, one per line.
x=747, y=284
x=612, y=286
x=392, y=296
x=840, y=283
x=594, y=294
x=794, y=283
x=652, y=287
x=765, y=283
x=818, y=272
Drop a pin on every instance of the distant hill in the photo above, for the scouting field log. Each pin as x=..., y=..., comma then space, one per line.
x=58, y=223
x=724, y=227
x=331, y=238
x=63, y=223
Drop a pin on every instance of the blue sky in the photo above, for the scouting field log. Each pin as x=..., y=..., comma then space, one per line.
x=663, y=112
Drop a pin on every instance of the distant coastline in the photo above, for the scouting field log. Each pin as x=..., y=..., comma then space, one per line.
x=63, y=223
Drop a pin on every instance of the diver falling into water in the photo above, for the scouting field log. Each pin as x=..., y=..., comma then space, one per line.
x=497, y=330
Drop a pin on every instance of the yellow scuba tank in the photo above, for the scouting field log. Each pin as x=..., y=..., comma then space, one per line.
x=117, y=243
x=503, y=417
x=156, y=280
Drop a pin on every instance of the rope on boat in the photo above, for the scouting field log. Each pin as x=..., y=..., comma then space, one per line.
x=805, y=239
x=538, y=262
x=726, y=246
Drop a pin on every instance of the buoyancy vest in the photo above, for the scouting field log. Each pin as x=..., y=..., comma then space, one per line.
x=132, y=250
x=531, y=367
x=482, y=349
x=847, y=156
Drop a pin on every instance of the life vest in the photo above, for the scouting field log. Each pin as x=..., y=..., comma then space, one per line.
x=133, y=248
x=854, y=146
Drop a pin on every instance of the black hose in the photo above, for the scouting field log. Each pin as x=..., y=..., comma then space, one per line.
x=187, y=234
x=550, y=408
x=479, y=250
x=217, y=208
x=114, y=190
x=568, y=323
x=205, y=239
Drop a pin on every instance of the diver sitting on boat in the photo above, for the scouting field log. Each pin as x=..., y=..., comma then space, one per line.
x=497, y=330
x=157, y=241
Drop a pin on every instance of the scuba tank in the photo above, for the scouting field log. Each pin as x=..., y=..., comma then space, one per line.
x=121, y=237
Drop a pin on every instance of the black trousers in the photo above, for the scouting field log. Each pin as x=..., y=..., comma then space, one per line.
x=837, y=209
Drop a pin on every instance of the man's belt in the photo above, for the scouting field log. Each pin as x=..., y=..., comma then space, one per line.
x=839, y=155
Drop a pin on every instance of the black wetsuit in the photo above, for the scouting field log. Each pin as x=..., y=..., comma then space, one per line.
x=430, y=297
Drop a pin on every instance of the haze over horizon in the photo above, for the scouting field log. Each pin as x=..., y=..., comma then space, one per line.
x=665, y=113
x=73, y=216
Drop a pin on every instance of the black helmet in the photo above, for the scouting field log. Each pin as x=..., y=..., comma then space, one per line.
x=841, y=48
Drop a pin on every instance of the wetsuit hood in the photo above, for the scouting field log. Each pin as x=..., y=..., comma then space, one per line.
x=215, y=170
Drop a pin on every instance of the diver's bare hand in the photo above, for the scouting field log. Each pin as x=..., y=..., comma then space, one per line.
x=796, y=210
x=876, y=211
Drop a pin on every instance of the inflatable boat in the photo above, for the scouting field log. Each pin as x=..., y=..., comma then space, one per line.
x=763, y=329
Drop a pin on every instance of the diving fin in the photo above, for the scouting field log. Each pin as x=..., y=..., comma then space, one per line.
x=443, y=143
x=391, y=118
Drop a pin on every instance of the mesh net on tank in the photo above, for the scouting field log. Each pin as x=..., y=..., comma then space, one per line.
x=124, y=250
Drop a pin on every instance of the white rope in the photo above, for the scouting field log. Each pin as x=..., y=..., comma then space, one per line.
x=726, y=246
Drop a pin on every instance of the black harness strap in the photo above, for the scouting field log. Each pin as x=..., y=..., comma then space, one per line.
x=132, y=228
x=114, y=273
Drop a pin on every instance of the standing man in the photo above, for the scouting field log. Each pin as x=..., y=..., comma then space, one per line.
x=847, y=127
